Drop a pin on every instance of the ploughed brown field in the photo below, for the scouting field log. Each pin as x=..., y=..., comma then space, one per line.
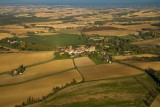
x=105, y=71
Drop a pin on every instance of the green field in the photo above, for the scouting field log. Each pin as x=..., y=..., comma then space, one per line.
x=55, y=40
x=119, y=92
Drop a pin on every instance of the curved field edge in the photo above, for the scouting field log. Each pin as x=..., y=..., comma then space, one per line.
x=123, y=91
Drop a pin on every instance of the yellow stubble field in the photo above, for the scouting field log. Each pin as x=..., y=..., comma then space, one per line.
x=83, y=61
x=14, y=60
x=14, y=95
x=145, y=65
x=5, y=35
x=38, y=71
x=155, y=41
x=122, y=57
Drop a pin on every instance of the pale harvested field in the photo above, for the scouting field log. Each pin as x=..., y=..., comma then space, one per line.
x=69, y=31
x=155, y=41
x=22, y=31
x=22, y=15
x=5, y=35
x=156, y=102
x=19, y=30
x=38, y=71
x=141, y=14
x=121, y=57
x=112, y=32
x=43, y=23
x=11, y=27
x=13, y=95
x=63, y=26
x=44, y=14
x=147, y=14
x=83, y=61
x=14, y=60
x=107, y=71
x=91, y=19
x=140, y=27
x=145, y=65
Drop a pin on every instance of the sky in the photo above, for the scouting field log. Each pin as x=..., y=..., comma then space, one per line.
x=79, y=2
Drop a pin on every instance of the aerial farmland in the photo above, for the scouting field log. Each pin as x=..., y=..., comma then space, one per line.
x=74, y=56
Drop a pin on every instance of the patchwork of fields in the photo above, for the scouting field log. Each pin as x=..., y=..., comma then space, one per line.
x=38, y=80
x=39, y=32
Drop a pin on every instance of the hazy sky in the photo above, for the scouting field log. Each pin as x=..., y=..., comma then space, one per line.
x=80, y=1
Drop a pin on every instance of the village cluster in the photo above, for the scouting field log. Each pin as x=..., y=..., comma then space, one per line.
x=78, y=50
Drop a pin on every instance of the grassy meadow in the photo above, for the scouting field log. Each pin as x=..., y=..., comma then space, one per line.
x=55, y=40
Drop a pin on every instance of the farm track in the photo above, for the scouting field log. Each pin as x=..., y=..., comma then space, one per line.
x=12, y=84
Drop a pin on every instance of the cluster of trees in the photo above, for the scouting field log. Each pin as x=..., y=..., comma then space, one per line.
x=119, y=45
x=145, y=58
x=18, y=71
x=68, y=19
x=135, y=19
x=4, y=49
x=154, y=74
x=59, y=56
x=147, y=34
x=100, y=22
x=100, y=28
x=11, y=19
x=25, y=45
x=156, y=24
x=149, y=98
x=100, y=57
x=32, y=100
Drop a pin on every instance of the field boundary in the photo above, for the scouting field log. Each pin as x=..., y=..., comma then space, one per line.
x=132, y=66
x=83, y=79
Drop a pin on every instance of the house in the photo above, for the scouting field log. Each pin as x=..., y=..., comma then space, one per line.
x=91, y=49
x=69, y=50
x=15, y=72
